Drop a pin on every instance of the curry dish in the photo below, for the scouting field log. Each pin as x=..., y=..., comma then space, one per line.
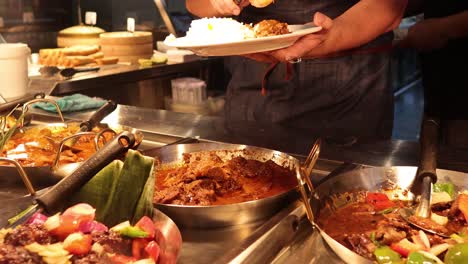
x=208, y=180
x=37, y=146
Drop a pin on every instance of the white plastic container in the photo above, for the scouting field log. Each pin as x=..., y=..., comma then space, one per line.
x=14, y=69
x=188, y=91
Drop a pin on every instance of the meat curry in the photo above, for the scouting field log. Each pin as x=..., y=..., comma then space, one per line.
x=208, y=180
x=37, y=146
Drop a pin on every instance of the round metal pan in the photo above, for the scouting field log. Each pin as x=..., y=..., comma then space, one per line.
x=168, y=234
x=340, y=190
x=42, y=176
x=230, y=214
x=397, y=182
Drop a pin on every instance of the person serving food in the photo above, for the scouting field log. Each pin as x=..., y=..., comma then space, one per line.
x=339, y=82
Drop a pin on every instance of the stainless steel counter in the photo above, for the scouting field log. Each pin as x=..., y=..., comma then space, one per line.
x=289, y=230
x=131, y=84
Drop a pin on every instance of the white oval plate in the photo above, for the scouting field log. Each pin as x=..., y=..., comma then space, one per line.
x=246, y=46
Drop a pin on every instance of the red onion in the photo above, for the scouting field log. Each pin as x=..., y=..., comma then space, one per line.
x=92, y=226
x=37, y=218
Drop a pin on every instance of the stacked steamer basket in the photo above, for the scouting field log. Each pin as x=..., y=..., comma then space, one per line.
x=127, y=46
x=79, y=35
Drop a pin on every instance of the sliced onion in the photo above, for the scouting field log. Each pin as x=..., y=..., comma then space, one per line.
x=439, y=249
x=431, y=256
x=52, y=222
x=92, y=226
x=424, y=239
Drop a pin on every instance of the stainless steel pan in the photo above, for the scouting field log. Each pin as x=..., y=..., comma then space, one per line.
x=343, y=189
x=231, y=214
x=42, y=176
x=397, y=182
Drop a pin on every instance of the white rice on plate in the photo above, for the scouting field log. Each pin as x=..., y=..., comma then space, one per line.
x=217, y=30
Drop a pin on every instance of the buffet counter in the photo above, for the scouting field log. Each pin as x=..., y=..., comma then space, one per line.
x=287, y=237
x=127, y=84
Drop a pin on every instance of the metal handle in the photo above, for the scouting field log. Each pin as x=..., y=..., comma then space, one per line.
x=52, y=199
x=426, y=174
x=100, y=134
x=429, y=144
x=97, y=117
x=66, y=139
x=12, y=104
x=26, y=107
x=22, y=173
x=303, y=178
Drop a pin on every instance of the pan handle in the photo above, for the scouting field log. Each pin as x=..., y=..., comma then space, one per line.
x=63, y=141
x=12, y=104
x=26, y=107
x=97, y=117
x=22, y=173
x=429, y=146
x=52, y=199
x=426, y=174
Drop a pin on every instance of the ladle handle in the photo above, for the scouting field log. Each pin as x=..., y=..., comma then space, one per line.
x=97, y=117
x=428, y=164
x=429, y=146
x=53, y=198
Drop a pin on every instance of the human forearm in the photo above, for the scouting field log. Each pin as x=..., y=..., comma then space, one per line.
x=214, y=8
x=201, y=8
x=364, y=22
x=455, y=26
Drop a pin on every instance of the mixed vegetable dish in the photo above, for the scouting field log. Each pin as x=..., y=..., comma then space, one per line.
x=74, y=236
x=374, y=229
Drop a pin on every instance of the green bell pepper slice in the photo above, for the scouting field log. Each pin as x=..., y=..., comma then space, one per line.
x=418, y=258
x=457, y=254
x=133, y=232
x=385, y=255
x=445, y=187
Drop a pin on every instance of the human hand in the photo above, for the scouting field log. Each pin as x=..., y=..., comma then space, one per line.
x=426, y=35
x=229, y=7
x=312, y=45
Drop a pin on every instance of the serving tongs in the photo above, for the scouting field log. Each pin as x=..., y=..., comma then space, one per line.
x=51, y=200
x=307, y=192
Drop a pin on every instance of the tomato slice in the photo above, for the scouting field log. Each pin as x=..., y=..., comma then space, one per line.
x=78, y=243
x=147, y=225
x=138, y=245
x=68, y=224
x=153, y=250
x=380, y=201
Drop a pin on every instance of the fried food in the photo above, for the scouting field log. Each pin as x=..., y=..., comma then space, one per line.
x=260, y=3
x=270, y=27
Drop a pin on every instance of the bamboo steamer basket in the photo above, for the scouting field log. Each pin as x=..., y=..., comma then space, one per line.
x=127, y=46
x=79, y=35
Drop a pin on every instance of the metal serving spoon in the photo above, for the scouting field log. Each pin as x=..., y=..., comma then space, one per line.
x=426, y=176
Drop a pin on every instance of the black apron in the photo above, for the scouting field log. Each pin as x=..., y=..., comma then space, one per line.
x=342, y=96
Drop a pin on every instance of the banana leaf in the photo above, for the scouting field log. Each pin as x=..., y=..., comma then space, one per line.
x=145, y=204
x=127, y=191
x=96, y=191
x=121, y=191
